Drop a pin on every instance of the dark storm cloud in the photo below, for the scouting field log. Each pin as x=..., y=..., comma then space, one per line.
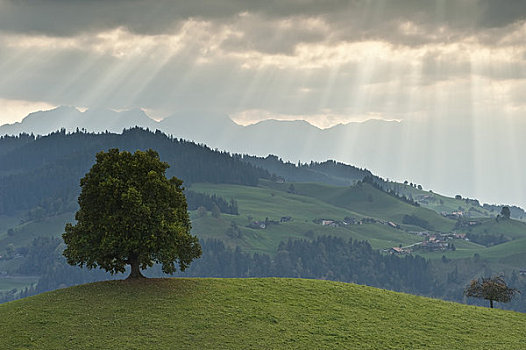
x=369, y=19
x=70, y=17
x=274, y=37
x=498, y=13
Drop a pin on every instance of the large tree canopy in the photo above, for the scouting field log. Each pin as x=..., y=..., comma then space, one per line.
x=130, y=214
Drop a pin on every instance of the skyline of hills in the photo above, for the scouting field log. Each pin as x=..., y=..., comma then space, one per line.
x=450, y=158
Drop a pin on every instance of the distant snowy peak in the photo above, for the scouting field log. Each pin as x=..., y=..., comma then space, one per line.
x=70, y=118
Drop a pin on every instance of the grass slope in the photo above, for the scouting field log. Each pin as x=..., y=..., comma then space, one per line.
x=510, y=228
x=309, y=202
x=335, y=202
x=317, y=200
x=273, y=201
x=250, y=314
x=369, y=201
x=440, y=203
x=510, y=253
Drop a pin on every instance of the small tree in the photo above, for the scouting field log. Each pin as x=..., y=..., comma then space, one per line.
x=201, y=211
x=505, y=212
x=233, y=231
x=492, y=289
x=216, y=212
x=130, y=214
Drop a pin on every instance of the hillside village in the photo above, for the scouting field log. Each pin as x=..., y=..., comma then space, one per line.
x=431, y=241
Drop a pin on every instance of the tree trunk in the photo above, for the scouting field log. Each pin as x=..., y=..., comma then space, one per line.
x=135, y=268
x=491, y=303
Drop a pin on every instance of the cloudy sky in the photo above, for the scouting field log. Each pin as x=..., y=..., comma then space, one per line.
x=327, y=62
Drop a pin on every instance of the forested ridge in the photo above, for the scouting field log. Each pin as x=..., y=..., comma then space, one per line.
x=325, y=257
x=329, y=172
x=48, y=169
x=39, y=170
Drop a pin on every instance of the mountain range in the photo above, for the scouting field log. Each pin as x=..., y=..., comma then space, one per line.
x=475, y=160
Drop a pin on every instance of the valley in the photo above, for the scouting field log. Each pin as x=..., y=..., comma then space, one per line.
x=265, y=203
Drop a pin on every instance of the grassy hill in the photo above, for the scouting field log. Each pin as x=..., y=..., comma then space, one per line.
x=250, y=313
x=273, y=201
x=440, y=203
x=509, y=253
x=308, y=202
x=330, y=202
x=512, y=229
x=370, y=201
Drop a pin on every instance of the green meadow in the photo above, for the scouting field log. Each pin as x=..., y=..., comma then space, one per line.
x=274, y=202
x=268, y=313
x=314, y=201
x=306, y=205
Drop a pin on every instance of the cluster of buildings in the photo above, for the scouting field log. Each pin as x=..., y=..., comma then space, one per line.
x=398, y=250
x=434, y=244
x=431, y=242
x=453, y=215
x=261, y=225
x=352, y=221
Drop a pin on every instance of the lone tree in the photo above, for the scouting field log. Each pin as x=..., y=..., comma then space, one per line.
x=492, y=289
x=130, y=214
